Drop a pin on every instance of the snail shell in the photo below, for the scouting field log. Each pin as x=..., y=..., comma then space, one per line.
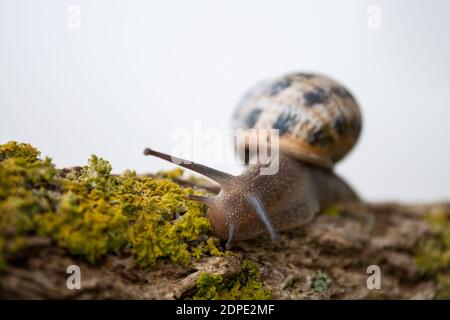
x=318, y=119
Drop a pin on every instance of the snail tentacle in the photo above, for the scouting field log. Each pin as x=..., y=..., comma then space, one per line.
x=216, y=175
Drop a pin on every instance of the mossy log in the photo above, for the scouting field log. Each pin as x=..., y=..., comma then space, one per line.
x=327, y=258
x=141, y=237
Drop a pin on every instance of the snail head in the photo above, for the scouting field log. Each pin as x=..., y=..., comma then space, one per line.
x=233, y=208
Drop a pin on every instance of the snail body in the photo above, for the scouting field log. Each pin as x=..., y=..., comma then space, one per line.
x=319, y=122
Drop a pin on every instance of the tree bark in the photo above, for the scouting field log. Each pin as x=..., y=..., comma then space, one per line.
x=341, y=246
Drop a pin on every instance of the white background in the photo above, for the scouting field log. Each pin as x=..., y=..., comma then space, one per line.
x=138, y=70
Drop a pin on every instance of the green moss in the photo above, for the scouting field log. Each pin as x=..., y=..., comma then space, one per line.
x=91, y=212
x=321, y=282
x=209, y=287
x=443, y=286
x=173, y=174
x=245, y=286
x=23, y=151
x=210, y=247
x=26, y=189
x=332, y=211
x=433, y=252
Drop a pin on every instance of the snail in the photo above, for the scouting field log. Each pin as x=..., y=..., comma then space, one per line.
x=319, y=122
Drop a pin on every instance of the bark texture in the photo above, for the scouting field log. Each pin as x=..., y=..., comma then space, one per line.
x=339, y=247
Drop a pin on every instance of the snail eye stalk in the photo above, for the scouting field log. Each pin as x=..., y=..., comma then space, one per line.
x=218, y=176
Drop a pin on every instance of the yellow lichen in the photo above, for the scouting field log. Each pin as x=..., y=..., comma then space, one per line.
x=443, y=286
x=332, y=211
x=91, y=212
x=245, y=286
x=433, y=252
x=173, y=174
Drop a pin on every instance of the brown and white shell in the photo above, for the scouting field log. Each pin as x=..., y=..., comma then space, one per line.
x=318, y=119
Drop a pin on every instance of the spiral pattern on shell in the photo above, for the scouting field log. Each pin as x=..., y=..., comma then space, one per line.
x=318, y=119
